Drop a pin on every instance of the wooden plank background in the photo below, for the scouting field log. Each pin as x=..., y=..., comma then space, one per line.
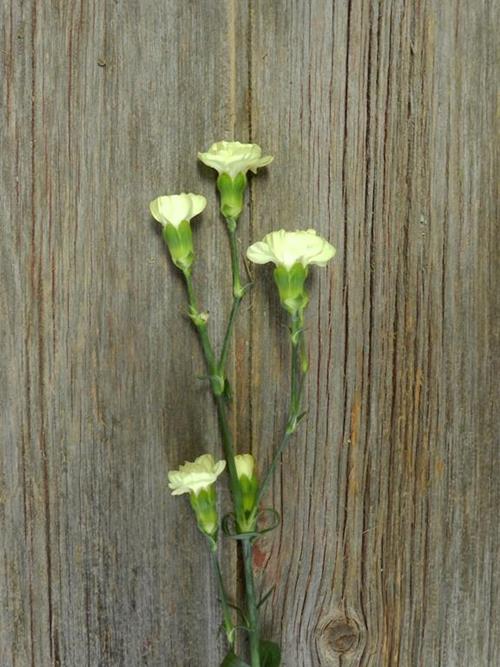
x=381, y=117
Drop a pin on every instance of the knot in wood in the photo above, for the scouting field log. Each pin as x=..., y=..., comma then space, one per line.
x=339, y=636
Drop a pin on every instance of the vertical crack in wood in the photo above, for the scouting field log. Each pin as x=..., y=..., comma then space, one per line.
x=250, y=214
x=231, y=39
x=369, y=198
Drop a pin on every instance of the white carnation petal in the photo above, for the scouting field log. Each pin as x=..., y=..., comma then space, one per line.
x=261, y=162
x=260, y=253
x=210, y=160
x=287, y=248
x=205, y=461
x=199, y=203
x=154, y=207
x=174, y=209
x=219, y=467
x=195, y=475
x=233, y=157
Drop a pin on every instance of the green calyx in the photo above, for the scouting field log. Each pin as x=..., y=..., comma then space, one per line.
x=291, y=286
x=180, y=244
x=249, y=491
x=232, y=192
x=204, y=504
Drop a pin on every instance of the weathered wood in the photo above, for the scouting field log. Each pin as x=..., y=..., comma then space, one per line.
x=106, y=105
x=381, y=117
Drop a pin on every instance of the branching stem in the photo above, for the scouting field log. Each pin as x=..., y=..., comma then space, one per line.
x=298, y=371
x=238, y=290
x=228, y=622
x=217, y=383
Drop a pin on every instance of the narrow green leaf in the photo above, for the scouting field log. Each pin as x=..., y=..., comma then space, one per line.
x=228, y=392
x=270, y=654
x=264, y=597
x=301, y=416
x=232, y=660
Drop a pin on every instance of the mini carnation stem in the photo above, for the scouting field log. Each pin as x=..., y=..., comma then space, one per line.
x=238, y=290
x=252, y=608
x=201, y=326
x=298, y=371
x=228, y=622
x=215, y=369
x=227, y=337
x=217, y=383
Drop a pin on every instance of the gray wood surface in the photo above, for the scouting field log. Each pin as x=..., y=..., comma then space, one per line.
x=381, y=116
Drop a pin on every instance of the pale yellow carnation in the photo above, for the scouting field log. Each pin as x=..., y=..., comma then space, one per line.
x=233, y=158
x=174, y=209
x=194, y=476
x=289, y=248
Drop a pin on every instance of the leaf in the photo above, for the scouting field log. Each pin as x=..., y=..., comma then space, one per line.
x=240, y=612
x=270, y=654
x=232, y=660
x=228, y=392
x=264, y=597
x=301, y=417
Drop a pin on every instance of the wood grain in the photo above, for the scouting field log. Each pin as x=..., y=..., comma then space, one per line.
x=100, y=566
x=381, y=116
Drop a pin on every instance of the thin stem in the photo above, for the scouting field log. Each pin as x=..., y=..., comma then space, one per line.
x=294, y=372
x=200, y=323
x=238, y=290
x=228, y=622
x=229, y=331
x=235, y=258
x=251, y=600
x=297, y=375
x=217, y=382
x=272, y=467
x=190, y=289
x=229, y=453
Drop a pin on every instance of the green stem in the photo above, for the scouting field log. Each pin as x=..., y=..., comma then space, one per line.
x=217, y=382
x=297, y=375
x=270, y=471
x=238, y=290
x=251, y=600
x=228, y=622
x=229, y=453
x=294, y=372
x=229, y=331
x=200, y=323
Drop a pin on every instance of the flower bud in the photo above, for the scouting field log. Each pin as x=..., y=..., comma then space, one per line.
x=245, y=469
x=232, y=192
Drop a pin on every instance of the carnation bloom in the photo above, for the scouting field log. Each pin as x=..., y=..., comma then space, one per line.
x=233, y=158
x=192, y=477
x=174, y=213
x=174, y=209
x=292, y=252
x=289, y=248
